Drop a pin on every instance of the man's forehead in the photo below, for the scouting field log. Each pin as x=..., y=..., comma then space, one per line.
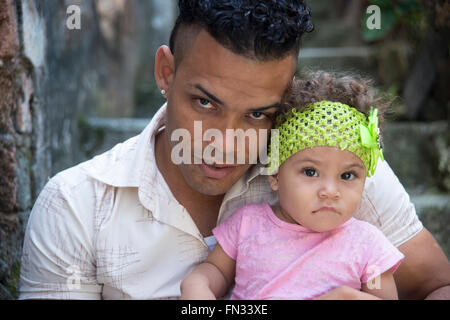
x=208, y=58
x=200, y=48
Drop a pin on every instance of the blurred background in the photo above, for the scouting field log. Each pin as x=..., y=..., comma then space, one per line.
x=67, y=95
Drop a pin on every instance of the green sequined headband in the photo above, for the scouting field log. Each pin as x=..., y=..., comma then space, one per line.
x=332, y=124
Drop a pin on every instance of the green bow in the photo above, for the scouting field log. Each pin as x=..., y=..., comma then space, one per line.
x=370, y=139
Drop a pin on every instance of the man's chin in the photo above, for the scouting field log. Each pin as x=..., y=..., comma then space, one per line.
x=209, y=189
x=199, y=181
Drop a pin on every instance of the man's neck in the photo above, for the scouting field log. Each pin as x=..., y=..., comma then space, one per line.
x=203, y=209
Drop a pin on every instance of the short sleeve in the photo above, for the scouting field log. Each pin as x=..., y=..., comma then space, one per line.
x=58, y=259
x=386, y=205
x=380, y=255
x=227, y=233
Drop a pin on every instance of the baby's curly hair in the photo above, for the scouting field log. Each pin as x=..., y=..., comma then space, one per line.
x=352, y=90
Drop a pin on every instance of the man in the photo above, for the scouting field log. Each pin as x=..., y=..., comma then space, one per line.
x=131, y=224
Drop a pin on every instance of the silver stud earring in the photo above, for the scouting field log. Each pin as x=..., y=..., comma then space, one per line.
x=163, y=92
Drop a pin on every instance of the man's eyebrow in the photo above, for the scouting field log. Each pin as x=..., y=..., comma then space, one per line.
x=272, y=106
x=210, y=95
x=217, y=100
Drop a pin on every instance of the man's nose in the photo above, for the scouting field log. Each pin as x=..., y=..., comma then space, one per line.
x=224, y=140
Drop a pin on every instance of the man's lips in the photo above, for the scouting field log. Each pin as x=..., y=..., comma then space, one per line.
x=221, y=166
x=216, y=171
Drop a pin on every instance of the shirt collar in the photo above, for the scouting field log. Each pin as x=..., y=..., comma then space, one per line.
x=128, y=162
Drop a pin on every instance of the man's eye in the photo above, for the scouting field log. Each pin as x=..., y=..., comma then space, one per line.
x=257, y=115
x=204, y=103
x=310, y=172
x=348, y=176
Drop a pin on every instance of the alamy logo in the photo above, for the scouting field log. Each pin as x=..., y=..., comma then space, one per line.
x=374, y=283
x=374, y=20
x=73, y=21
x=250, y=147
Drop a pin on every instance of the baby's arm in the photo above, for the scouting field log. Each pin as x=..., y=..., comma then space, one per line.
x=211, y=279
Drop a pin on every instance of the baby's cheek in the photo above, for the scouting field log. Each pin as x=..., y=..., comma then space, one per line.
x=353, y=203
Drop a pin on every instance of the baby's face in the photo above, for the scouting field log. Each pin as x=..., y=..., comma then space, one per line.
x=319, y=188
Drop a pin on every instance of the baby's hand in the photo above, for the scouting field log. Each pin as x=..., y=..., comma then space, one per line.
x=207, y=281
x=346, y=293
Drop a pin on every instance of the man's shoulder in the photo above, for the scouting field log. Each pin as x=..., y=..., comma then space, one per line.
x=83, y=182
x=71, y=177
x=114, y=162
x=70, y=189
x=114, y=167
x=75, y=177
x=86, y=187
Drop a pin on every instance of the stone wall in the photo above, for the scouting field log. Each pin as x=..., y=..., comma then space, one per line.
x=51, y=79
x=16, y=90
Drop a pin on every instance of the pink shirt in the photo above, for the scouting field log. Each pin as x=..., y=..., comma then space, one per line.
x=280, y=260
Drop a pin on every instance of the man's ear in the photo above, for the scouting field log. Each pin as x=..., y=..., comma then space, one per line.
x=273, y=181
x=164, y=68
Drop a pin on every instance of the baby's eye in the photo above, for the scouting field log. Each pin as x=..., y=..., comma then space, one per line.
x=348, y=176
x=310, y=172
x=257, y=115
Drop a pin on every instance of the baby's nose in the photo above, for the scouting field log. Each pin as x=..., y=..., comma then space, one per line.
x=329, y=190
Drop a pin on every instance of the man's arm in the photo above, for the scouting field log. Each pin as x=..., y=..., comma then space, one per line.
x=387, y=205
x=58, y=260
x=425, y=271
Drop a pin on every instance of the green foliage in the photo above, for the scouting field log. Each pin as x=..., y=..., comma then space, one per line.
x=392, y=13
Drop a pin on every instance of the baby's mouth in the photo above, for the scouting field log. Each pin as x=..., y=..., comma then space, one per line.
x=326, y=209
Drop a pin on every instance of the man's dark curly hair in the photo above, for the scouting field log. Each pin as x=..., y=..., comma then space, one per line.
x=261, y=30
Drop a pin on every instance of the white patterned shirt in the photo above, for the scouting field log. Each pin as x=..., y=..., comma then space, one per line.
x=110, y=228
